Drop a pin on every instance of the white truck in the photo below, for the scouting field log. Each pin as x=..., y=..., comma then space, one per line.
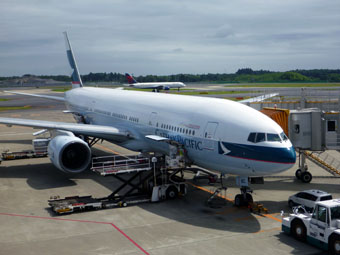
x=321, y=228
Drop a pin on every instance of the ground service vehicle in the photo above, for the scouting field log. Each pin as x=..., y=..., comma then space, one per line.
x=321, y=228
x=308, y=198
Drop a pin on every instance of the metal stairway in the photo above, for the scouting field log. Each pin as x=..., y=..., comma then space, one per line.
x=325, y=160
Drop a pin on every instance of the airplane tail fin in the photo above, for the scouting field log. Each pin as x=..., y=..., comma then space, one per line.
x=76, y=79
x=130, y=79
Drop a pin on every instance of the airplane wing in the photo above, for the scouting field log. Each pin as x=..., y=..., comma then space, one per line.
x=35, y=95
x=98, y=131
x=258, y=99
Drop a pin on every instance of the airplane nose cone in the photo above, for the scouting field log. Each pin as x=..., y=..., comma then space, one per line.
x=289, y=155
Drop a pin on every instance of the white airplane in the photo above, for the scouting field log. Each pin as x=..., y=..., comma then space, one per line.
x=217, y=134
x=156, y=86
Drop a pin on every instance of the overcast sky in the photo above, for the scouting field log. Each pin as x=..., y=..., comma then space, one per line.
x=168, y=37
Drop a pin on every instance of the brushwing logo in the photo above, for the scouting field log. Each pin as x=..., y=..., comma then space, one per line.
x=222, y=149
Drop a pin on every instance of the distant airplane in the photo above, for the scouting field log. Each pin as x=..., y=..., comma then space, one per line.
x=156, y=86
x=217, y=134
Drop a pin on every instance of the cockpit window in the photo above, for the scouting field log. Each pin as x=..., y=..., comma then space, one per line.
x=251, y=137
x=283, y=136
x=273, y=138
x=260, y=137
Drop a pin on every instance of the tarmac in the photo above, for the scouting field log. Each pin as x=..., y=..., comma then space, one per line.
x=185, y=225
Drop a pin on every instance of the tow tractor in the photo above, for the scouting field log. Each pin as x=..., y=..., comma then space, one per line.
x=321, y=228
x=143, y=179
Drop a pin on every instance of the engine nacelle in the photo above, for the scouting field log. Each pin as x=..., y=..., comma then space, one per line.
x=69, y=153
x=166, y=88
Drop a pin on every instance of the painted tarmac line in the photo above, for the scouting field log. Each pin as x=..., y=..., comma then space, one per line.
x=108, y=150
x=82, y=221
x=206, y=190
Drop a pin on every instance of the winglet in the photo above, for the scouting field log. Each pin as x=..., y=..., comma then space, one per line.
x=76, y=79
x=130, y=79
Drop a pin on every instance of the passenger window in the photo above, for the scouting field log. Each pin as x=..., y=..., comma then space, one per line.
x=331, y=125
x=273, y=138
x=301, y=195
x=310, y=197
x=260, y=137
x=335, y=213
x=326, y=198
x=251, y=137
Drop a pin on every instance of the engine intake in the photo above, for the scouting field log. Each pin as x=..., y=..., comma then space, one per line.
x=69, y=154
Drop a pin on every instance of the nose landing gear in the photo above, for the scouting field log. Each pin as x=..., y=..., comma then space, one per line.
x=245, y=198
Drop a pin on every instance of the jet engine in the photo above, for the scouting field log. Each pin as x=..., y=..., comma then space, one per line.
x=166, y=88
x=69, y=153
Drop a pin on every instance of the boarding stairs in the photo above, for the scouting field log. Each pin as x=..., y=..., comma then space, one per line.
x=325, y=160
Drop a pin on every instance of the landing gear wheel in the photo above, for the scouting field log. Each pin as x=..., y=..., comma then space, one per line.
x=298, y=174
x=299, y=231
x=171, y=192
x=249, y=199
x=306, y=177
x=334, y=245
x=239, y=201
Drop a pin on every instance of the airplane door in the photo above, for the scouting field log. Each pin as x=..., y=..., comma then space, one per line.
x=153, y=119
x=209, y=135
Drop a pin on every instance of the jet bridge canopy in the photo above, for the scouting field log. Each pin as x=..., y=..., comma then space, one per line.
x=305, y=127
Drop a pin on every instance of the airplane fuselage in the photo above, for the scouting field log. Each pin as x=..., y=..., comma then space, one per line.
x=160, y=85
x=215, y=132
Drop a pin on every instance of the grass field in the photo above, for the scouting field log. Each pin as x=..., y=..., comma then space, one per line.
x=285, y=85
x=11, y=108
x=3, y=99
x=62, y=89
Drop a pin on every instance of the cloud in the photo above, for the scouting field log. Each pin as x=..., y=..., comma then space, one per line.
x=166, y=37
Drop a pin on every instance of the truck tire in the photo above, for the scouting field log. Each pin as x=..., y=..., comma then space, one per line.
x=171, y=192
x=291, y=203
x=334, y=244
x=299, y=230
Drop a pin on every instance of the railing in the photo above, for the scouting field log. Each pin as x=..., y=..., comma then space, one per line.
x=120, y=164
x=330, y=163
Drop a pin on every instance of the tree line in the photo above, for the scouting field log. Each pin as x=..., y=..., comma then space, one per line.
x=242, y=75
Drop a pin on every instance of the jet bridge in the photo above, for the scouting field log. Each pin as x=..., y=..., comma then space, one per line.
x=306, y=129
